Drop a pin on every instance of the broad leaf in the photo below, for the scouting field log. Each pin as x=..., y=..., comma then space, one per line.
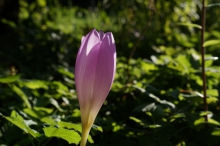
x=78, y=127
x=212, y=5
x=35, y=84
x=65, y=72
x=9, y=79
x=38, y=112
x=136, y=120
x=67, y=125
x=216, y=132
x=191, y=25
x=21, y=94
x=17, y=120
x=69, y=135
x=97, y=128
x=55, y=103
x=211, y=42
x=210, y=121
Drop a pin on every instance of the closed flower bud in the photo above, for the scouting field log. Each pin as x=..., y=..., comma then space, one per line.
x=94, y=74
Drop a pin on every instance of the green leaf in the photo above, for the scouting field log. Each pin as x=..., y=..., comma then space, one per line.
x=145, y=107
x=65, y=72
x=212, y=100
x=60, y=88
x=211, y=42
x=78, y=127
x=204, y=113
x=216, y=132
x=211, y=5
x=156, y=110
x=8, y=22
x=136, y=120
x=69, y=135
x=21, y=94
x=178, y=115
x=38, y=112
x=184, y=61
x=67, y=125
x=90, y=139
x=35, y=84
x=17, y=120
x=9, y=79
x=48, y=120
x=147, y=67
x=211, y=58
x=202, y=121
x=76, y=113
x=139, y=88
x=153, y=126
x=191, y=25
x=170, y=104
x=141, y=123
x=42, y=3
x=55, y=103
x=99, y=128
x=212, y=92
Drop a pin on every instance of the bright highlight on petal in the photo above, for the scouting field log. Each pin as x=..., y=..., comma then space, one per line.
x=94, y=75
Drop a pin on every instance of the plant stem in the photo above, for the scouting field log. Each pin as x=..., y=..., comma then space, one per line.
x=85, y=134
x=203, y=60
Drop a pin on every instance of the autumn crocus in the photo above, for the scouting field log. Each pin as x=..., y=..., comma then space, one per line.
x=94, y=75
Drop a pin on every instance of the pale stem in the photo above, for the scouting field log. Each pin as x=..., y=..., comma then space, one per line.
x=85, y=134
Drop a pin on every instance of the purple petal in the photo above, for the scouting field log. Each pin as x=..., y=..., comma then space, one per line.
x=101, y=35
x=105, y=70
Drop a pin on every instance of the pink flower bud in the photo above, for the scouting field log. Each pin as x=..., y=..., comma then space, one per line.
x=94, y=75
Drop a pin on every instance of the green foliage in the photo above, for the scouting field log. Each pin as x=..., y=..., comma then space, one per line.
x=211, y=42
x=157, y=100
x=69, y=135
x=17, y=120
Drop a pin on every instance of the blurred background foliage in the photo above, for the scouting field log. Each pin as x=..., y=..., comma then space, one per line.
x=156, y=98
